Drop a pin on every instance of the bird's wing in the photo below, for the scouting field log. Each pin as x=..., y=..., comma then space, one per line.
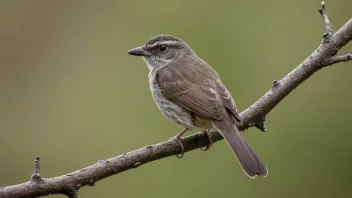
x=198, y=89
x=199, y=99
x=227, y=100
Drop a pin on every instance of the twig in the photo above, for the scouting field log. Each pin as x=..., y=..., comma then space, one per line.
x=337, y=59
x=329, y=31
x=69, y=184
x=36, y=176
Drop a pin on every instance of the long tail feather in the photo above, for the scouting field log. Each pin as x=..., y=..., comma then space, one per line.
x=250, y=162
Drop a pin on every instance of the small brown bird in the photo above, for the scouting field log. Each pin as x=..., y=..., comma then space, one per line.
x=190, y=94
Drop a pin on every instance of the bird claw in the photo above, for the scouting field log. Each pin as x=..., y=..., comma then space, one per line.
x=178, y=140
x=209, y=139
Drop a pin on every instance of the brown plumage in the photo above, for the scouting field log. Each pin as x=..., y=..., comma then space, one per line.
x=190, y=94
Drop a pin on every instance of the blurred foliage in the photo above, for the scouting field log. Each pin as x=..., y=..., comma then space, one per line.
x=71, y=94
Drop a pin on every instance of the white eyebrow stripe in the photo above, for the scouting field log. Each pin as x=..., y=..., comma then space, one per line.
x=163, y=43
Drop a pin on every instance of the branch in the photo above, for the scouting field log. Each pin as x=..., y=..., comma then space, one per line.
x=254, y=115
x=327, y=35
x=36, y=176
x=337, y=59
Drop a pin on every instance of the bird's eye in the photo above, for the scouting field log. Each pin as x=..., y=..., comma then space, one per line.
x=162, y=47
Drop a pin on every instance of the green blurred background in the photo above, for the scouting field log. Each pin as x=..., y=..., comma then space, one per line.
x=71, y=94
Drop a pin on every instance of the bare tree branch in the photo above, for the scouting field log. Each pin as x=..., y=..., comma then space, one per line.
x=337, y=59
x=36, y=176
x=329, y=31
x=254, y=115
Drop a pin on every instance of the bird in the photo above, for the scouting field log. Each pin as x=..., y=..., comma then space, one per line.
x=190, y=93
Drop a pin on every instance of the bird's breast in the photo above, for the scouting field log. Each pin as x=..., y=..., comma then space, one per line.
x=175, y=113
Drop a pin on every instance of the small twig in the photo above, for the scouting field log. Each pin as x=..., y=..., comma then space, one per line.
x=36, y=175
x=336, y=59
x=329, y=31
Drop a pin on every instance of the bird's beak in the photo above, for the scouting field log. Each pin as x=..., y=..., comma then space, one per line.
x=138, y=51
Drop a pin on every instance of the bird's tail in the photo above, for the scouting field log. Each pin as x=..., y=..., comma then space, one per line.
x=250, y=162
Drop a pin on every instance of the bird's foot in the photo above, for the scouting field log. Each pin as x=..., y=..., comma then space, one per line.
x=177, y=138
x=205, y=131
x=182, y=148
